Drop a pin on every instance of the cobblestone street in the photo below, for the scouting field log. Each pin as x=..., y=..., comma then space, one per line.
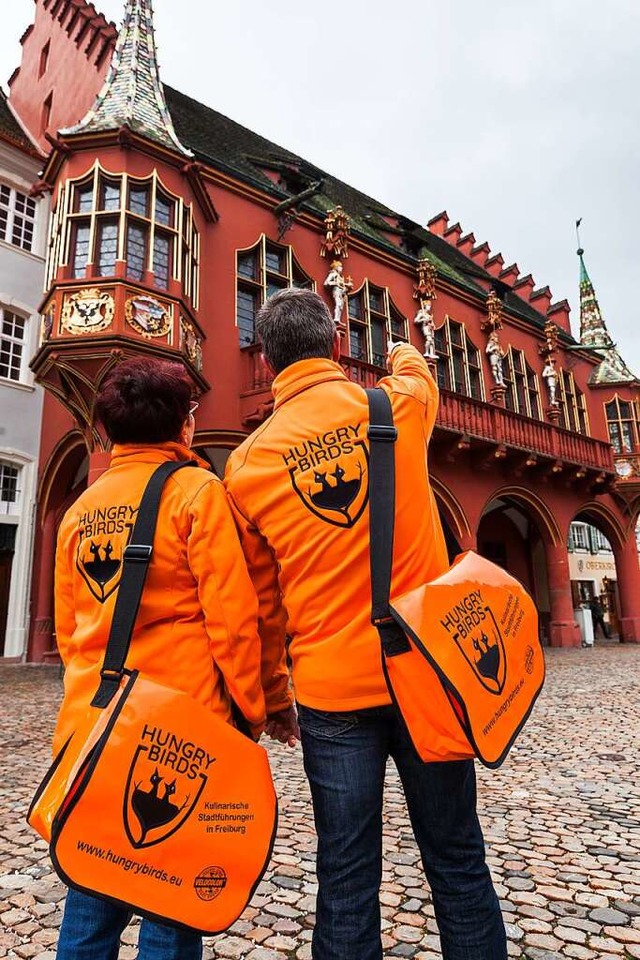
x=561, y=820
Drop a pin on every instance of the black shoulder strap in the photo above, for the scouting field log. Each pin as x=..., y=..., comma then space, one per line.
x=382, y=487
x=135, y=565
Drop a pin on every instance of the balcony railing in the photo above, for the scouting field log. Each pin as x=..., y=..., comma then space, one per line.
x=473, y=419
x=487, y=421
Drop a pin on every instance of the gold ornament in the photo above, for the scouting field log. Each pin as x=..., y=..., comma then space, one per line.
x=147, y=316
x=88, y=311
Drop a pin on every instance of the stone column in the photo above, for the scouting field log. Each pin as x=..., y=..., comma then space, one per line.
x=43, y=627
x=564, y=631
x=628, y=574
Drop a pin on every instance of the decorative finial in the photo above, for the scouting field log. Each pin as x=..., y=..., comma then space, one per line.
x=335, y=243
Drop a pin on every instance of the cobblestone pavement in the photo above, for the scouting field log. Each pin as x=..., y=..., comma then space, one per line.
x=561, y=820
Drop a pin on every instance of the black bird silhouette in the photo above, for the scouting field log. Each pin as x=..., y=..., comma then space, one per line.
x=488, y=662
x=151, y=810
x=101, y=570
x=338, y=496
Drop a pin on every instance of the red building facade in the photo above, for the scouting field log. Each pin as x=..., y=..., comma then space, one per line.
x=171, y=226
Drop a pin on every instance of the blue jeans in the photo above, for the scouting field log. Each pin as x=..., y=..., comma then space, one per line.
x=345, y=757
x=91, y=930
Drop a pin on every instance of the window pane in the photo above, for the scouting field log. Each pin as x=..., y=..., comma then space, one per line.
x=357, y=342
x=248, y=265
x=5, y=202
x=8, y=483
x=534, y=404
x=274, y=285
x=614, y=436
x=612, y=410
x=246, y=308
x=625, y=410
x=378, y=345
x=459, y=384
x=509, y=398
x=475, y=383
x=139, y=200
x=444, y=376
x=164, y=210
x=455, y=332
x=300, y=279
x=107, y=249
x=25, y=209
x=521, y=395
x=376, y=300
x=110, y=196
x=275, y=260
x=161, y=260
x=627, y=437
x=84, y=198
x=398, y=325
x=136, y=250
x=355, y=307
x=11, y=345
x=80, y=255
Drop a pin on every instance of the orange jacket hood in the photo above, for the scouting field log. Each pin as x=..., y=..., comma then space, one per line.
x=299, y=492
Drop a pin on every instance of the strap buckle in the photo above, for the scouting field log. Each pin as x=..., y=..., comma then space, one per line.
x=383, y=432
x=137, y=553
x=111, y=675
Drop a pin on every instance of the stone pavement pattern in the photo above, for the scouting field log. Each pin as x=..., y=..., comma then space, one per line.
x=561, y=820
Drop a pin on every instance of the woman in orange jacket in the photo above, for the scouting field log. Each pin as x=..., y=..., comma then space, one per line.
x=196, y=629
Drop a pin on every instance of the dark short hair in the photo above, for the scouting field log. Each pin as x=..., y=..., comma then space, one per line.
x=144, y=401
x=295, y=325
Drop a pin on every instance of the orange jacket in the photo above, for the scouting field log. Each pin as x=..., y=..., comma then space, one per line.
x=196, y=628
x=298, y=489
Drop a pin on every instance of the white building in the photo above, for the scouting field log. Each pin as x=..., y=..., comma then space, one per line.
x=23, y=238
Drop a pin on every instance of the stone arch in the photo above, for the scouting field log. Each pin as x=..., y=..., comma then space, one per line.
x=605, y=519
x=547, y=524
x=452, y=509
x=59, y=471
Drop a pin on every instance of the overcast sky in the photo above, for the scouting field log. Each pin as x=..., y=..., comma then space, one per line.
x=515, y=117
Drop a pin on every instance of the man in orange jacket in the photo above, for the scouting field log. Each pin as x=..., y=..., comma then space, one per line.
x=298, y=489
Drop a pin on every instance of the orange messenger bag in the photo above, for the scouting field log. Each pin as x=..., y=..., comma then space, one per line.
x=154, y=803
x=461, y=654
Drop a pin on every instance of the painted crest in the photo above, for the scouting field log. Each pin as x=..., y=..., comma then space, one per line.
x=158, y=799
x=336, y=491
x=190, y=343
x=88, y=311
x=147, y=316
x=483, y=649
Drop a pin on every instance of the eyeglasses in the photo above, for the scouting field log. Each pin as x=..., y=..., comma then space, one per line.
x=192, y=409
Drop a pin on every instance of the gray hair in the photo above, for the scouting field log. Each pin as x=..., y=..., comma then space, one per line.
x=295, y=325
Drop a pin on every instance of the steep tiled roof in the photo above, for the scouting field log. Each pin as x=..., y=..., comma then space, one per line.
x=132, y=93
x=232, y=148
x=594, y=334
x=10, y=129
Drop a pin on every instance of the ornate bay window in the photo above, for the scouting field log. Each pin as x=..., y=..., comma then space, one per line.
x=373, y=320
x=523, y=395
x=459, y=363
x=622, y=421
x=573, y=408
x=104, y=219
x=262, y=270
